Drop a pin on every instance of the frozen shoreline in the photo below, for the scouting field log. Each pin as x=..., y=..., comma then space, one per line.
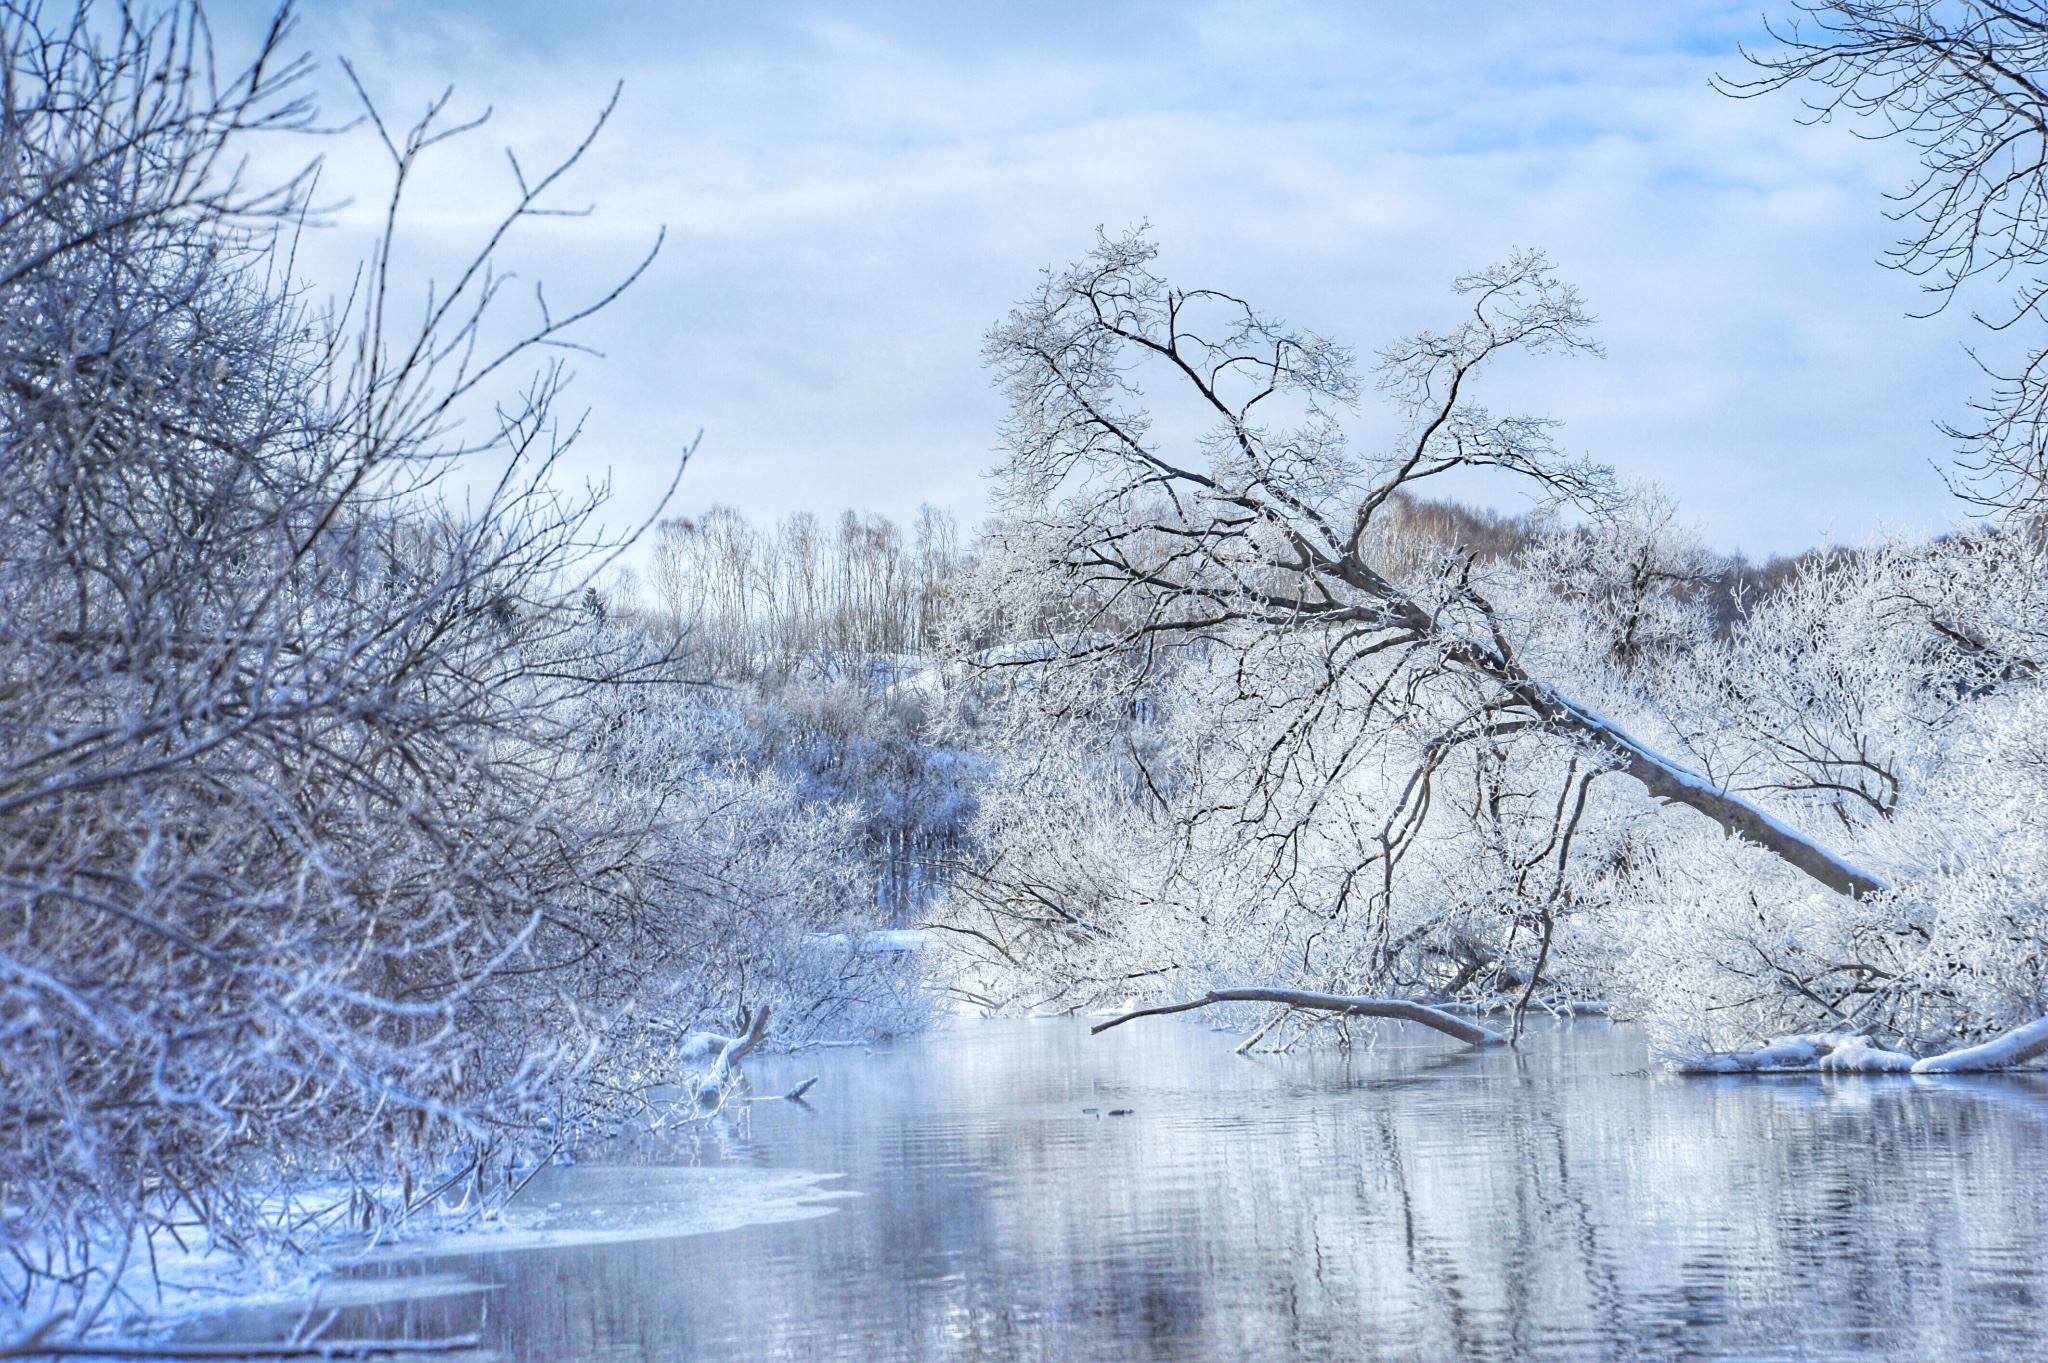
x=168, y=1293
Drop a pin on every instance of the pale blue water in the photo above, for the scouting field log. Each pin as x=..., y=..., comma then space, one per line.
x=1409, y=1201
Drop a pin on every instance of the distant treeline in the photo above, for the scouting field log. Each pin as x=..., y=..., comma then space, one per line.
x=1728, y=586
x=754, y=601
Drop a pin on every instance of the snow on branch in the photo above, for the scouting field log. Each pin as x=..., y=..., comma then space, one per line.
x=1854, y=1053
x=1404, y=1010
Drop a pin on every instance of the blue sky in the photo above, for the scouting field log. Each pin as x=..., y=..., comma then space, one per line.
x=854, y=192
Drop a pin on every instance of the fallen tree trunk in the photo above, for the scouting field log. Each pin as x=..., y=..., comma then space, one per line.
x=2016, y=1047
x=1665, y=780
x=1840, y=1053
x=1403, y=1009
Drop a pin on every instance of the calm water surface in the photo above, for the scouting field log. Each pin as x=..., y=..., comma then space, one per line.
x=1411, y=1200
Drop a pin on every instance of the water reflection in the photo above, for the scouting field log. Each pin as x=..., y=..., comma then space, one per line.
x=1407, y=1201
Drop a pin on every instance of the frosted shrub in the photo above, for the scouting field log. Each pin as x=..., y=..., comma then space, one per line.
x=343, y=845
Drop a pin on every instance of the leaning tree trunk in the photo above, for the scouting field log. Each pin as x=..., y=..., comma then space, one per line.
x=1673, y=784
x=1664, y=779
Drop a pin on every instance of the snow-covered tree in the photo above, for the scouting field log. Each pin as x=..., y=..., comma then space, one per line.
x=1331, y=756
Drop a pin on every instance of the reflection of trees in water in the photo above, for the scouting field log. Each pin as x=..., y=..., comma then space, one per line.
x=1402, y=1202
x=1516, y=1211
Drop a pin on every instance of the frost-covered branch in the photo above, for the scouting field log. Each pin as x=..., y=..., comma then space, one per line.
x=1966, y=85
x=1402, y=1010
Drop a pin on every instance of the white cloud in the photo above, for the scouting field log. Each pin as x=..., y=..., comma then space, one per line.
x=854, y=192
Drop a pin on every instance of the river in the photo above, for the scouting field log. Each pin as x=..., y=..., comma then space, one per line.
x=1021, y=1190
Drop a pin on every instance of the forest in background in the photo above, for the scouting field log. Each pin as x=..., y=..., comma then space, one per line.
x=363, y=848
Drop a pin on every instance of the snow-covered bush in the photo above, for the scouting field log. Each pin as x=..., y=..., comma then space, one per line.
x=341, y=838
x=1866, y=698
